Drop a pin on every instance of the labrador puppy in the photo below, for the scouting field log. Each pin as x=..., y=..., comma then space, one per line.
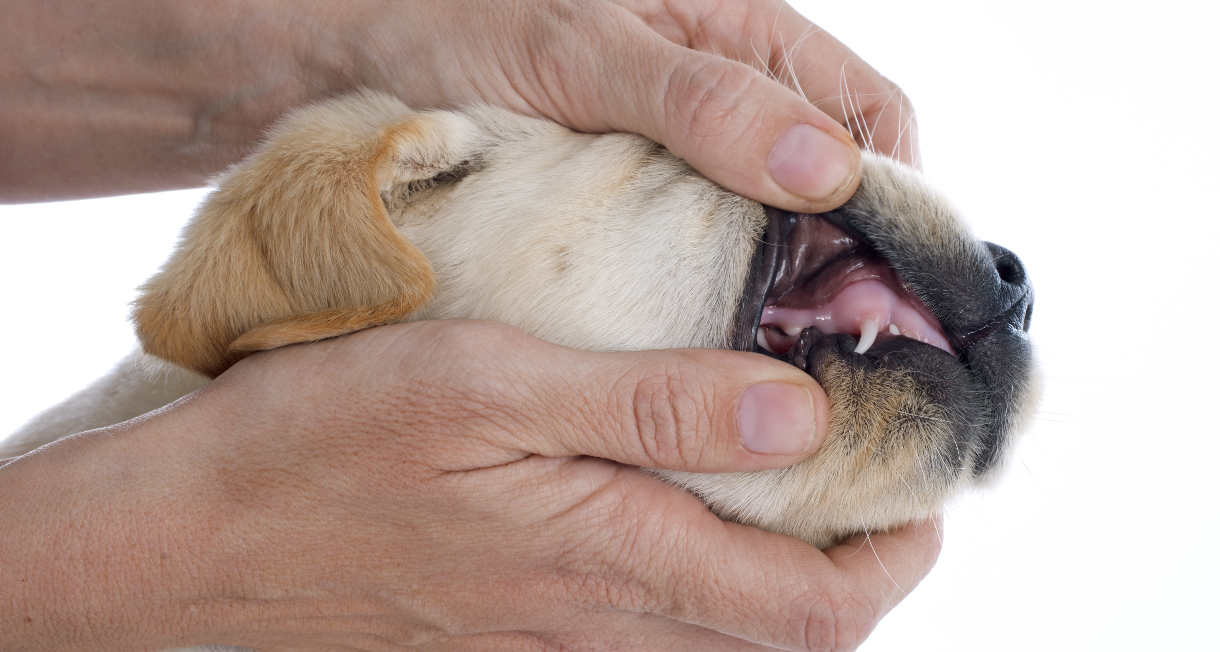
x=358, y=212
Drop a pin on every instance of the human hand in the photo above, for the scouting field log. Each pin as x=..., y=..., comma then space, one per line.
x=178, y=91
x=445, y=485
x=672, y=71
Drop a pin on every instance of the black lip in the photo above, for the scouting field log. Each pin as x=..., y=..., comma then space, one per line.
x=763, y=266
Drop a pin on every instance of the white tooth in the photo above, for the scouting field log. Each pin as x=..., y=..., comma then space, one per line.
x=762, y=341
x=792, y=331
x=868, y=333
x=894, y=330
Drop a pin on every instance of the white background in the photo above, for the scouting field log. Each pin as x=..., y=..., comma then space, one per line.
x=1081, y=135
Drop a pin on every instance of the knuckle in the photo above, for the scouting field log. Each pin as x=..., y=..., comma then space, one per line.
x=671, y=412
x=460, y=348
x=611, y=590
x=551, y=66
x=707, y=98
x=836, y=621
x=571, y=13
x=889, y=96
x=543, y=642
x=463, y=332
x=458, y=372
x=931, y=547
x=904, y=101
x=616, y=563
x=562, y=22
x=899, y=96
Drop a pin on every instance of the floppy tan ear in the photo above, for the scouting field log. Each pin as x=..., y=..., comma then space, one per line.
x=295, y=244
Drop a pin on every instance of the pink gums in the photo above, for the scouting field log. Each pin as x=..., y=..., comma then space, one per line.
x=868, y=292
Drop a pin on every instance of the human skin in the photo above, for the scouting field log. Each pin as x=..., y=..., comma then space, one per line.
x=137, y=95
x=237, y=495
x=484, y=500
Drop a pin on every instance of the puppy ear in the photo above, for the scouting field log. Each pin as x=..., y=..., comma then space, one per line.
x=295, y=244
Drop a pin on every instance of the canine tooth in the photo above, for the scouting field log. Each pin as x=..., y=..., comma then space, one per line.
x=868, y=333
x=894, y=330
x=762, y=341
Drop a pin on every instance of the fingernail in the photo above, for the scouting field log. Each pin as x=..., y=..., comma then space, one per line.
x=810, y=163
x=776, y=418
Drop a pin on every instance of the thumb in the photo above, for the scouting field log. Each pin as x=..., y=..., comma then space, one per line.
x=689, y=410
x=739, y=128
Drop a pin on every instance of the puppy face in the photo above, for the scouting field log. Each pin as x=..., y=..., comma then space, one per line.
x=917, y=332
x=358, y=212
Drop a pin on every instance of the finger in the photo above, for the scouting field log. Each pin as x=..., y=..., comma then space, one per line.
x=614, y=631
x=887, y=567
x=777, y=39
x=689, y=410
x=692, y=410
x=728, y=120
x=741, y=581
x=618, y=630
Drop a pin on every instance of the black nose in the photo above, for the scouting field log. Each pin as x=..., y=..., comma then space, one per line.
x=1017, y=305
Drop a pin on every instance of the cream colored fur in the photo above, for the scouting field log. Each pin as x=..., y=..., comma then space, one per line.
x=570, y=232
x=359, y=211
x=139, y=383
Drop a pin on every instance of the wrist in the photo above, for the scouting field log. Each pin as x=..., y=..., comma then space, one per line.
x=392, y=46
x=152, y=95
x=260, y=60
x=97, y=555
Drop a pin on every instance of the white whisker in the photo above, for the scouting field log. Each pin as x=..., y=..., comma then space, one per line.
x=923, y=417
x=796, y=82
x=868, y=538
x=789, y=55
x=863, y=122
x=842, y=95
x=763, y=64
x=911, y=148
x=906, y=126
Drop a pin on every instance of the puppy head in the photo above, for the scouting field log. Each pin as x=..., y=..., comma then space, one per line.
x=358, y=212
x=295, y=244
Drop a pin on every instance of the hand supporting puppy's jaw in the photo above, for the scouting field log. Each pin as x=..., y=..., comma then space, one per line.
x=533, y=507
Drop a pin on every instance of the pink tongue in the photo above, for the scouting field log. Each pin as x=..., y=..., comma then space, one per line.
x=848, y=310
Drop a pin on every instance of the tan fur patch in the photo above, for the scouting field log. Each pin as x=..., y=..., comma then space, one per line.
x=296, y=244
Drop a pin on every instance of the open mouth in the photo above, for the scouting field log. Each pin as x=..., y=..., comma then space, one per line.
x=850, y=309
x=825, y=280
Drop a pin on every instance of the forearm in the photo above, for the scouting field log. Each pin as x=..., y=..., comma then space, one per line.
x=91, y=547
x=138, y=95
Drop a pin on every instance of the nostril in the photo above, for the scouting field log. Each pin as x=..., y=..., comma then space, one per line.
x=1007, y=265
x=1010, y=271
x=1029, y=313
